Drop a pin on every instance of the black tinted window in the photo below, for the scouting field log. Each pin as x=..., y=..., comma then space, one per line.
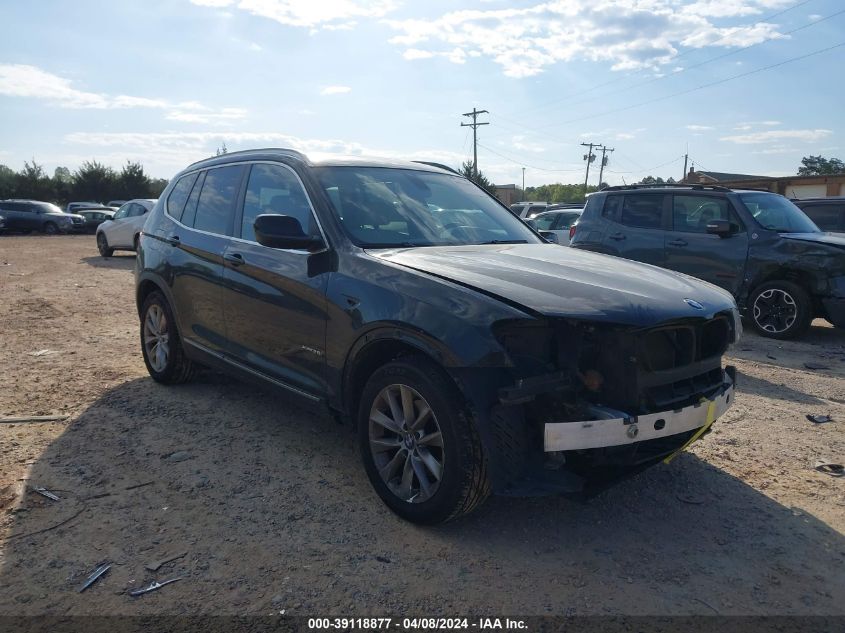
x=178, y=195
x=642, y=211
x=828, y=217
x=190, y=211
x=216, y=206
x=691, y=213
x=275, y=189
x=611, y=207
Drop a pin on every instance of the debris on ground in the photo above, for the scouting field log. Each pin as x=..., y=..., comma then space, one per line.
x=154, y=566
x=34, y=418
x=830, y=468
x=95, y=575
x=146, y=483
x=819, y=419
x=43, y=352
x=46, y=493
x=178, y=456
x=153, y=586
x=815, y=366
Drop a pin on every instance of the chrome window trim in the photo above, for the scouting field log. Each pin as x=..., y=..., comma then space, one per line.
x=299, y=251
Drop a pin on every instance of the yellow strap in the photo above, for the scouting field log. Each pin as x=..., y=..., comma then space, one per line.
x=711, y=417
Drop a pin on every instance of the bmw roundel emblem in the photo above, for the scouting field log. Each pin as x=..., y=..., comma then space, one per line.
x=694, y=304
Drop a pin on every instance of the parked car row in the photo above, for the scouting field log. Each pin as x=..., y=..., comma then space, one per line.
x=780, y=267
x=26, y=216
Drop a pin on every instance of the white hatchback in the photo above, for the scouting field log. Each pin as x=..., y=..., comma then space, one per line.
x=121, y=232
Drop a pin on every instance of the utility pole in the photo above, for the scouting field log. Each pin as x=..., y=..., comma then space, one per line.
x=604, y=151
x=589, y=157
x=523, y=182
x=686, y=158
x=474, y=125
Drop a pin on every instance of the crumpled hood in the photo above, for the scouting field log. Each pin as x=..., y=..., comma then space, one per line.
x=830, y=239
x=560, y=281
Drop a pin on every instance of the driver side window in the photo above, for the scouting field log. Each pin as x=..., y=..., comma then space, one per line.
x=691, y=213
x=122, y=212
x=275, y=189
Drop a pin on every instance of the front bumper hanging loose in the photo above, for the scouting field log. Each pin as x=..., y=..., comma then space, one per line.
x=618, y=429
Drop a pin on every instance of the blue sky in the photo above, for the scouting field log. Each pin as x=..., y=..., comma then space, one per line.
x=167, y=82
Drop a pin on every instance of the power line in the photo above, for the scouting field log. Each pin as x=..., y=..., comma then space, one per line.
x=679, y=56
x=703, y=86
x=522, y=163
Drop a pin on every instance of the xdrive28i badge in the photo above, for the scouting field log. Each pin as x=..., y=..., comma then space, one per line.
x=694, y=304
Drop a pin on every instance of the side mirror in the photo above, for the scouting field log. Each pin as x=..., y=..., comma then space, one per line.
x=722, y=228
x=283, y=231
x=549, y=236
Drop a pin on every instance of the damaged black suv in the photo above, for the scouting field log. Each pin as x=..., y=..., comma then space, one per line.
x=469, y=355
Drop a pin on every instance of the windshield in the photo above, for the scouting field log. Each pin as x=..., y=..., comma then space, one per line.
x=382, y=207
x=776, y=213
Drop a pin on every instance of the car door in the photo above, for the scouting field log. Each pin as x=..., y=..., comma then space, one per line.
x=691, y=250
x=14, y=217
x=636, y=226
x=204, y=206
x=274, y=300
x=118, y=231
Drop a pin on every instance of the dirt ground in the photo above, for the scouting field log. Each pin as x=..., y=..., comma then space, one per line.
x=272, y=510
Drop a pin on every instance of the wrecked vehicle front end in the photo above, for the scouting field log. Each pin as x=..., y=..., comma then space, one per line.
x=587, y=404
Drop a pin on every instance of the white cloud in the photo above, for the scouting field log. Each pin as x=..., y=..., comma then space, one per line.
x=311, y=14
x=518, y=142
x=699, y=128
x=20, y=80
x=769, y=136
x=628, y=34
x=335, y=90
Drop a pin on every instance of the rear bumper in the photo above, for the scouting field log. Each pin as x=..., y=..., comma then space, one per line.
x=614, y=428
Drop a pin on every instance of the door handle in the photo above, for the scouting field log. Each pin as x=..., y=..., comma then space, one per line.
x=617, y=236
x=236, y=259
x=678, y=243
x=173, y=240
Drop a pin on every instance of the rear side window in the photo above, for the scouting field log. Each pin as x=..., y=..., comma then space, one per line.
x=216, y=206
x=179, y=194
x=565, y=220
x=546, y=221
x=644, y=212
x=611, y=207
x=828, y=217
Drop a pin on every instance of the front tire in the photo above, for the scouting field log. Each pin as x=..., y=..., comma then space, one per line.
x=50, y=228
x=420, y=449
x=103, y=245
x=160, y=343
x=780, y=310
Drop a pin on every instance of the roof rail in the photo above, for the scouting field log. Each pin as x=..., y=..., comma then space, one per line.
x=282, y=150
x=438, y=165
x=664, y=185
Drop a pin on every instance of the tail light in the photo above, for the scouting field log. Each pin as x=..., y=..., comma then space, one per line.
x=572, y=231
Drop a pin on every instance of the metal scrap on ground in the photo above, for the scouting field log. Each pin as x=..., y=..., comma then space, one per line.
x=153, y=587
x=819, y=419
x=34, y=418
x=95, y=575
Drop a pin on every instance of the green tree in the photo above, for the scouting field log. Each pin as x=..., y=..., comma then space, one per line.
x=132, y=182
x=157, y=186
x=8, y=181
x=62, y=184
x=33, y=182
x=479, y=179
x=820, y=166
x=94, y=182
x=558, y=192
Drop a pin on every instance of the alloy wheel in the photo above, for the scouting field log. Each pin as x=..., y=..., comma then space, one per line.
x=156, y=338
x=775, y=310
x=406, y=443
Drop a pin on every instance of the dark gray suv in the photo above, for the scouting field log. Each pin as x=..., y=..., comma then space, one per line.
x=470, y=355
x=32, y=215
x=782, y=270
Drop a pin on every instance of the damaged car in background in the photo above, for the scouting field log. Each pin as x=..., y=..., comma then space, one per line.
x=469, y=355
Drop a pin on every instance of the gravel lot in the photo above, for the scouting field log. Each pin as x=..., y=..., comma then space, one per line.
x=270, y=505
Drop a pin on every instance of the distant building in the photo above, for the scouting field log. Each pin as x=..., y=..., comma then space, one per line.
x=508, y=194
x=789, y=186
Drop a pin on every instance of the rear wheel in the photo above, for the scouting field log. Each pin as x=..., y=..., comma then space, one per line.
x=781, y=310
x=421, y=451
x=160, y=343
x=50, y=228
x=103, y=246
